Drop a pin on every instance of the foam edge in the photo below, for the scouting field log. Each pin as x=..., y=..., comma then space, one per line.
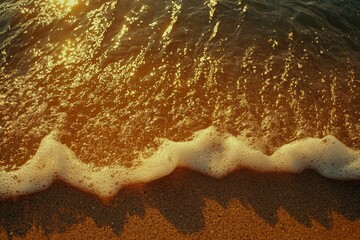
x=210, y=152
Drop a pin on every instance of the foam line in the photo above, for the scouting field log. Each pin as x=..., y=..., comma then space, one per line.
x=210, y=152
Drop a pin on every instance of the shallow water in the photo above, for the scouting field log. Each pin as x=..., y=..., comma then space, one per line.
x=129, y=83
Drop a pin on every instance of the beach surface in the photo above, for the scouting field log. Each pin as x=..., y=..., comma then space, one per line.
x=188, y=205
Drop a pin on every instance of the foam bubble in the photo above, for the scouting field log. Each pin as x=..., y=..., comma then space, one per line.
x=210, y=152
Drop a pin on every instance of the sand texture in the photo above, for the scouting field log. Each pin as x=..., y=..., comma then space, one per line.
x=188, y=205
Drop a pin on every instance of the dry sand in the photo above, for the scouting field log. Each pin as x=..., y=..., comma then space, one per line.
x=188, y=205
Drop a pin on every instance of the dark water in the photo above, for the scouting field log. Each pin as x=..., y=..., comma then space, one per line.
x=111, y=79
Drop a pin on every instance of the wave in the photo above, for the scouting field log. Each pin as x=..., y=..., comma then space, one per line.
x=210, y=152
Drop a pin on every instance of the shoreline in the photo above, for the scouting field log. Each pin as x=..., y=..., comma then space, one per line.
x=186, y=204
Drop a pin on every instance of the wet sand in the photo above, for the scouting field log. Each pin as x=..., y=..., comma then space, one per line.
x=188, y=205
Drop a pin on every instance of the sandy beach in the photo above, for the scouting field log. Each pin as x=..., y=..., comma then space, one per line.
x=188, y=205
x=104, y=93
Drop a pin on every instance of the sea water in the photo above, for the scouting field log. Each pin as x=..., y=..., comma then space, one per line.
x=105, y=93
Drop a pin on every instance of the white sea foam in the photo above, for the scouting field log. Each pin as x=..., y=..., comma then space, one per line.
x=210, y=152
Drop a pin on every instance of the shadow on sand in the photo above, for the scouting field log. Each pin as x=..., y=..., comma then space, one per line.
x=180, y=198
